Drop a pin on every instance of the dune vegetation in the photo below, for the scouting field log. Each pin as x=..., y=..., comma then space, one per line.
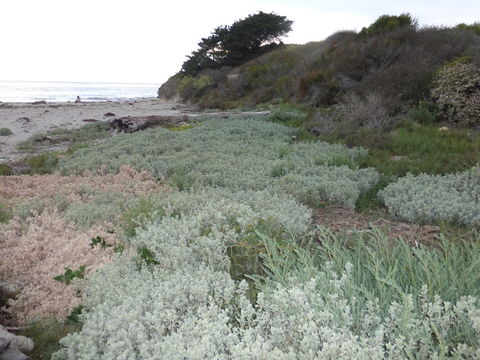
x=200, y=242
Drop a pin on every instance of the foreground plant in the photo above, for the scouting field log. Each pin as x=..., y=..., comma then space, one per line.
x=428, y=198
x=366, y=299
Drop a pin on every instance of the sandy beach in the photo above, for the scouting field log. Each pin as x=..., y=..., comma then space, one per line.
x=27, y=119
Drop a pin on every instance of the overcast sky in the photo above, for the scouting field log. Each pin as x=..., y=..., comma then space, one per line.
x=147, y=40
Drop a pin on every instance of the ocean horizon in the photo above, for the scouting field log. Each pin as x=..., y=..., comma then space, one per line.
x=58, y=91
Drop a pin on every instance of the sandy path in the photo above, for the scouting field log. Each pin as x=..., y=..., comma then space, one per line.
x=26, y=119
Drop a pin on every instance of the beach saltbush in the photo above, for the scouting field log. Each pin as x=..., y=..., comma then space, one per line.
x=242, y=153
x=425, y=198
x=311, y=303
x=190, y=282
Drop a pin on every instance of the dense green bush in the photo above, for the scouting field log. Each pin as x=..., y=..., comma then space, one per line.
x=5, y=132
x=456, y=90
x=189, y=86
x=239, y=153
x=5, y=169
x=288, y=116
x=42, y=164
x=428, y=198
x=388, y=23
x=475, y=27
x=426, y=113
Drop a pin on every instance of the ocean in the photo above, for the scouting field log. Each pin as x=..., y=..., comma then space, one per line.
x=29, y=91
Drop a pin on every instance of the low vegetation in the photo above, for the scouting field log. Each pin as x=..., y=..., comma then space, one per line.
x=233, y=255
x=5, y=132
x=428, y=198
x=67, y=138
x=239, y=153
x=5, y=169
x=415, y=148
x=306, y=295
x=225, y=262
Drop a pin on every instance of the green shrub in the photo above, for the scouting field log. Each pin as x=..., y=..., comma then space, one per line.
x=289, y=117
x=98, y=240
x=190, y=85
x=74, y=316
x=5, y=213
x=5, y=169
x=46, y=334
x=388, y=23
x=475, y=27
x=70, y=274
x=43, y=164
x=425, y=113
x=5, y=132
x=255, y=74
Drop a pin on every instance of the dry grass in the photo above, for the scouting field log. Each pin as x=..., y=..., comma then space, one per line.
x=37, y=248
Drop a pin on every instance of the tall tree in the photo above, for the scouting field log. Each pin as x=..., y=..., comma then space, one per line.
x=237, y=43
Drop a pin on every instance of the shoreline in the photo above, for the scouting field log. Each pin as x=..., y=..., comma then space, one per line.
x=72, y=102
x=25, y=119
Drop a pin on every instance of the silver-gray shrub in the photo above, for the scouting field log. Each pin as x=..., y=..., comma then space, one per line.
x=102, y=207
x=426, y=198
x=239, y=153
x=188, y=298
x=194, y=310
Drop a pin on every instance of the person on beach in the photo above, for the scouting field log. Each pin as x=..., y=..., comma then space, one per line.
x=78, y=100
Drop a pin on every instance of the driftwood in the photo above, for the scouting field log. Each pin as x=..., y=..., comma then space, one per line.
x=130, y=124
x=13, y=347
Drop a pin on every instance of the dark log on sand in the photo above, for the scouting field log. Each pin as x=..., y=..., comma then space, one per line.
x=130, y=124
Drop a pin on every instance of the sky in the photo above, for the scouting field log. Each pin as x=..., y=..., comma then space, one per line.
x=146, y=41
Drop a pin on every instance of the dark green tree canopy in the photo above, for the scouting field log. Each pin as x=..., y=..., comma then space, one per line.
x=232, y=45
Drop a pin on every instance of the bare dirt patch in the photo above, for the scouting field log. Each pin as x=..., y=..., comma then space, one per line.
x=349, y=221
